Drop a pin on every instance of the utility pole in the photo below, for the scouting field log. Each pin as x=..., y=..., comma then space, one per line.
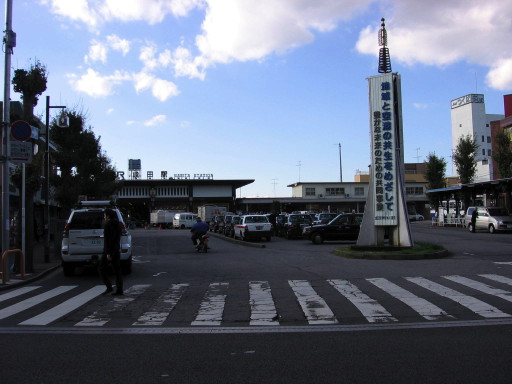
x=299, y=165
x=274, y=182
x=9, y=44
x=341, y=172
x=418, y=154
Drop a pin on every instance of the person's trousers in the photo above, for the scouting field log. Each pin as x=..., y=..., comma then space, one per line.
x=116, y=266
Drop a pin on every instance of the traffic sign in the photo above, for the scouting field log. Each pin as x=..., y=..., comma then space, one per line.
x=21, y=130
x=21, y=151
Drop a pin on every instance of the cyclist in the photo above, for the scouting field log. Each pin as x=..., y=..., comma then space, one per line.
x=199, y=229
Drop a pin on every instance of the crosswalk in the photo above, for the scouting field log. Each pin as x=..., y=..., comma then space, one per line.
x=319, y=302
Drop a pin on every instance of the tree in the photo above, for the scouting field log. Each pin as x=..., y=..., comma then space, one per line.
x=464, y=158
x=31, y=84
x=435, y=174
x=503, y=154
x=83, y=167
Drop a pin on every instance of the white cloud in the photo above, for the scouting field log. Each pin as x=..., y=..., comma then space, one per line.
x=161, y=89
x=95, y=85
x=500, y=76
x=97, y=52
x=119, y=44
x=420, y=105
x=93, y=13
x=441, y=33
x=155, y=120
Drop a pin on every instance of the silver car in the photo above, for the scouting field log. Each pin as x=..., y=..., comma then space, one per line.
x=82, y=242
x=492, y=219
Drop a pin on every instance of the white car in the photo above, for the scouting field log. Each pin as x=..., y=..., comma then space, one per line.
x=82, y=240
x=253, y=227
x=416, y=217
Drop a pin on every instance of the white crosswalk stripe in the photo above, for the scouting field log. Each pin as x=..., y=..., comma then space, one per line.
x=472, y=303
x=263, y=309
x=371, y=310
x=423, y=307
x=212, y=306
x=314, y=307
x=28, y=303
x=163, y=307
x=385, y=301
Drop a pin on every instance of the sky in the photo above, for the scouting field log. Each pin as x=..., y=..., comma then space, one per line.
x=268, y=90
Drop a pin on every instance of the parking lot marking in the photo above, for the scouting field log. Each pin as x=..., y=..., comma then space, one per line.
x=64, y=308
x=423, y=307
x=472, y=303
x=314, y=307
x=370, y=309
x=263, y=309
x=163, y=307
x=28, y=303
x=212, y=307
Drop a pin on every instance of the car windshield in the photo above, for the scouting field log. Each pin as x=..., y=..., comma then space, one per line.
x=87, y=220
x=300, y=219
x=498, y=212
x=256, y=219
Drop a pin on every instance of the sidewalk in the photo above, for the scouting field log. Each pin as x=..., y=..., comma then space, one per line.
x=40, y=268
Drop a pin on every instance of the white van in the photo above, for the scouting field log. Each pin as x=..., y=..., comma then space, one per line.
x=184, y=220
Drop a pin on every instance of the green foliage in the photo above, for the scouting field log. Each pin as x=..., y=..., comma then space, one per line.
x=31, y=83
x=435, y=171
x=503, y=154
x=84, y=169
x=464, y=158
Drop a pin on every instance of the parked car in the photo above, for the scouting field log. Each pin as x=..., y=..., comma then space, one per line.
x=82, y=239
x=253, y=227
x=294, y=225
x=415, y=217
x=227, y=227
x=324, y=218
x=217, y=223
x=345, y=226
x=492, y=219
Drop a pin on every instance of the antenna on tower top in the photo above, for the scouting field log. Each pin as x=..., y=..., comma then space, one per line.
x=384, y=58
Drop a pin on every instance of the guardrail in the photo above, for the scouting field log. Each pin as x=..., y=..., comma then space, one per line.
x=456, y=221
x=4, y=264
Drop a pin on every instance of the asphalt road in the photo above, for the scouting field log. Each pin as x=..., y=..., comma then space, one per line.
x=371, y=337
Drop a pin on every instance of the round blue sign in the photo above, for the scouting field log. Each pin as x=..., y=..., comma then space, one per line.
x=21, y=130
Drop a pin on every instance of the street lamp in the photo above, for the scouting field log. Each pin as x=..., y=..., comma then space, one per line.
x=63, y=122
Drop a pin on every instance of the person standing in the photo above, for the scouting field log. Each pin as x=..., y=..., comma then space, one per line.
x=111, y=254
x=474, y=216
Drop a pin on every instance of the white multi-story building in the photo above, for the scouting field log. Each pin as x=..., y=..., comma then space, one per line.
x=469, y=118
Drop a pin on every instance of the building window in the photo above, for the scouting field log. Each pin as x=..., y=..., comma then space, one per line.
x=483, y=139
x=409, y=190
x=488, y=139
x=334, y=191
x=418, y=190
x=489, y=153
x=359, y=191
x=483, y=152
x=485, y=162
x=310, y=192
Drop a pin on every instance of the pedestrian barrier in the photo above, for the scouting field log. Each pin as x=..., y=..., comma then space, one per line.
x=4, y=264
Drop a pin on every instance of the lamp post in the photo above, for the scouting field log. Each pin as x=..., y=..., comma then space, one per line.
x=61, y=123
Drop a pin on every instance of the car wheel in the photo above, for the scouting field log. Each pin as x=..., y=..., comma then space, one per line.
x=492, y=229
x=420, y=218
x=317, y=238
x=69, y=270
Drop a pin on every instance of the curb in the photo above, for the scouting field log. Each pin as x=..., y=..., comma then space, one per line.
x=235, y=241
x=374, y=256
x=31, y=279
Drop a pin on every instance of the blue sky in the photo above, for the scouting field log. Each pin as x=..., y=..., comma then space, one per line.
x=263, y=89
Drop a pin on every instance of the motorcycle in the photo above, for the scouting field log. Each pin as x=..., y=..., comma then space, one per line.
x=202, y=247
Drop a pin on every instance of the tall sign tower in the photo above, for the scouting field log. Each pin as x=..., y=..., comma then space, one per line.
x=386, y=208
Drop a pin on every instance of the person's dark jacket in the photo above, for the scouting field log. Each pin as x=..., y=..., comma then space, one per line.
x=112, y=237
x=199, y=228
